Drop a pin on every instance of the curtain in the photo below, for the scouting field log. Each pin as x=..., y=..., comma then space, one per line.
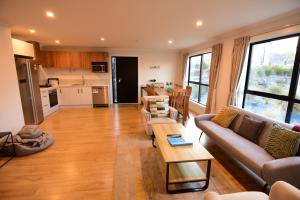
x=184, y=68
x=238, y=57
x=213, y=78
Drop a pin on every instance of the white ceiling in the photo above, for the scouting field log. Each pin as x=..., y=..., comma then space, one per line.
x=134, y=23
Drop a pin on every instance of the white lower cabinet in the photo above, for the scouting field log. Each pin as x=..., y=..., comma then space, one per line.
x=45, y=102
x=86, y=96
x=72, y=96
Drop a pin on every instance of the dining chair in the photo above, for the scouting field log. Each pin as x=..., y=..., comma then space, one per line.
x=150, y=90
x=156, y=110
x=181, y=102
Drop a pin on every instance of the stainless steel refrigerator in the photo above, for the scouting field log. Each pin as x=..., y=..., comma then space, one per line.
x=29, y=90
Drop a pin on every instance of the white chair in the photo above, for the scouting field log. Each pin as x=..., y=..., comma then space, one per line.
x=279, y=191
x=148, y=119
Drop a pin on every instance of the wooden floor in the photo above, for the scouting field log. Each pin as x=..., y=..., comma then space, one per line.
x=103, y=153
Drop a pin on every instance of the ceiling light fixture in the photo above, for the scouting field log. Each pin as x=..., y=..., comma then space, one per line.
x=102, y=39
x=50, y=14
x=31, y=30
x=170, y=42
x=57, y=41
x=199, y=23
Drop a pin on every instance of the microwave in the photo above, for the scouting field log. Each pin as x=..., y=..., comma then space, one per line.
x=99, y=67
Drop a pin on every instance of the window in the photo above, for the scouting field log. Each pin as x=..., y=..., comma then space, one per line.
x=272, y=87
x=198, y=77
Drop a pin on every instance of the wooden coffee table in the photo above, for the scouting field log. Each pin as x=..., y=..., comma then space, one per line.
x=181, y=161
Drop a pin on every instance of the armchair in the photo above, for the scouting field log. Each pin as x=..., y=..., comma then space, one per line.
x=282, y=169
x=279, y=191
x=148, y=117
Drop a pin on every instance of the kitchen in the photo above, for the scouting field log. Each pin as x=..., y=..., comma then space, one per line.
x=58, y=79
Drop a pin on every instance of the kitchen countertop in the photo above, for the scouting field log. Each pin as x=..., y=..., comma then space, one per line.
x=47, y=88
x=72, y=85
x=79, y=85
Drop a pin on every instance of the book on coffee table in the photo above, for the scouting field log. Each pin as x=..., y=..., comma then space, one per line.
x=178, y=141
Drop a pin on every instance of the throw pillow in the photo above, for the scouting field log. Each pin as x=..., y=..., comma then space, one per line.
x=225, y=116
x=159, y=107
x=296, y=128
x=251, y=128
x=282, y=142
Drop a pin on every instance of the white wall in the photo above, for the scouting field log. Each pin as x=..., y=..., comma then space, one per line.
x=166, y=60
x=267, y=29
x=11, y=114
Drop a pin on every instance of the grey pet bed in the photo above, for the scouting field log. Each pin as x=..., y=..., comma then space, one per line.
x=31, y=139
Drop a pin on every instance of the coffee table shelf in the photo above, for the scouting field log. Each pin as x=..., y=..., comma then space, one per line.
x=185, y=172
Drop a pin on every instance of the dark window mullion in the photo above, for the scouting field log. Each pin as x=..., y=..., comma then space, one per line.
x=200, y=72
x=247, y=74
x=194, y=82
x=189, y=73
x=204, y=84
x=294, y=83
x=268, y=95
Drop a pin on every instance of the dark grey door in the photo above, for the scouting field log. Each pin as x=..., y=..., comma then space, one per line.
x=125, y=79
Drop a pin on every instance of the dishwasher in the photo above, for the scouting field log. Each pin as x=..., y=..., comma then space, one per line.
x=100, y=96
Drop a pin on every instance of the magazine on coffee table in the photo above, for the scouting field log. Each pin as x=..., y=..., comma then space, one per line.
x=178, y=140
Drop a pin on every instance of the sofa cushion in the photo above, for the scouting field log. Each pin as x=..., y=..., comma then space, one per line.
x=159, y=107
x=225, y=116
x=250, y=154
x=282, y=142
x=296, y=128
x=263, y=137
x=251, y=128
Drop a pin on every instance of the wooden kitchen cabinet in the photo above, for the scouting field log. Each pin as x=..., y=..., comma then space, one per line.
x=62, y=59
x=85, y=60
x=47, y=58
x=75, y=59
x=71, y=59
x=97, y=57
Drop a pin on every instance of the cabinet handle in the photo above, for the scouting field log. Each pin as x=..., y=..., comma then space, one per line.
x=81, y=90
x=78, y=91
x=60, y=90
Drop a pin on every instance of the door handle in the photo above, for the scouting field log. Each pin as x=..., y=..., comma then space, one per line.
x=119, y=80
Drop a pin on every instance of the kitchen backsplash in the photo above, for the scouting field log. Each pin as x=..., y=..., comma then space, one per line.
x=73, y=76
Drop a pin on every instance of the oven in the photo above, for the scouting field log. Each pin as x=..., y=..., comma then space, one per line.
x=53, y=98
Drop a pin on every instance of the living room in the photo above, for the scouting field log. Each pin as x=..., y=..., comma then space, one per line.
x=212, y=70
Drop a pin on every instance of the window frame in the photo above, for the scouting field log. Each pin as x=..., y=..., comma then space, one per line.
x=200, y=76
x=291, y=97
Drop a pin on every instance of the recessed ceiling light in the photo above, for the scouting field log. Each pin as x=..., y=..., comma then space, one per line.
x=50, y=14
x=102, y=39
x=57, y=41
x=31, y=30
x=199, y=23
x=170, y=41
